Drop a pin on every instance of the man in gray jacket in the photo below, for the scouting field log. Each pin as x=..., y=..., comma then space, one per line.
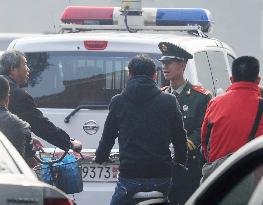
x=16, y=130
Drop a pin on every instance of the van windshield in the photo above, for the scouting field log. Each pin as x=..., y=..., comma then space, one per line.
x=67, y=79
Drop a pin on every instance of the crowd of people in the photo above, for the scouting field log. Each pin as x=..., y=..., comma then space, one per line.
x=170, y=138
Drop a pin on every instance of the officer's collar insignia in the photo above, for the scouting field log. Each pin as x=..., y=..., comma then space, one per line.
x=185, y=107
x=201, y=90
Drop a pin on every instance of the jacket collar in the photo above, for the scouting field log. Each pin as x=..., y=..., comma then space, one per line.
x=182, y=89
x=11, y=81
x=242, y=85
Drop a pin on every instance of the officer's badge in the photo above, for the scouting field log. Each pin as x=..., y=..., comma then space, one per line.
x=188, y=92
x=185, y=107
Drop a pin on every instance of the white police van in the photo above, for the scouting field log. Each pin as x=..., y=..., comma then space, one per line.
x=74, y=74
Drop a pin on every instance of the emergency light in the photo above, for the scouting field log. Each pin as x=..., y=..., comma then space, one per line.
x=85, y=15
x=184, y=17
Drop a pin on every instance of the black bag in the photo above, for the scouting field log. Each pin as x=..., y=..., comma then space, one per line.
x=179, y=185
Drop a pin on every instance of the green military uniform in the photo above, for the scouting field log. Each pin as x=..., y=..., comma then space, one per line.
x=193, y=101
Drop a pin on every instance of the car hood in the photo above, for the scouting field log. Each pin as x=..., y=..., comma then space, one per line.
x=250, y=147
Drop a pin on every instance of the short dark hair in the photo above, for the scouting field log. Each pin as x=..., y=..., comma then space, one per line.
x=10, y=60
x=4, y=88
x=142, y=65
x=245, y=68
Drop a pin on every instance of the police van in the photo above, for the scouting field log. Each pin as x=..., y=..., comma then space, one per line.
x=75, y=73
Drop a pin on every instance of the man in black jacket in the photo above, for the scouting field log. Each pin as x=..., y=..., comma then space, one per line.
x=145, y=120
x=14, y=68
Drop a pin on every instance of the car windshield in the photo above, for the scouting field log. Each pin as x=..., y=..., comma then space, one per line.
x=243, y=190
x=7, y=163
x=67, y=79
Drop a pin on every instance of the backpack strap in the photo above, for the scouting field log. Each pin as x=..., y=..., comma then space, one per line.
x=207, y=140
x=257, y=120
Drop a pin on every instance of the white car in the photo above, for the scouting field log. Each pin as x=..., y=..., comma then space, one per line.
x=7, y=38
x=74, y=75
x=237, y=181
x=18, y=183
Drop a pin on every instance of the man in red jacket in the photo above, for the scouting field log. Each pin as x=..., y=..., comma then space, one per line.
x=230, y=117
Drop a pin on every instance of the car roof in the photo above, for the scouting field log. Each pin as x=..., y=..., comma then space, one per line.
x=121, y=41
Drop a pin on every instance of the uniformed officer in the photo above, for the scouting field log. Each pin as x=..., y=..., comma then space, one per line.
x=193, y=101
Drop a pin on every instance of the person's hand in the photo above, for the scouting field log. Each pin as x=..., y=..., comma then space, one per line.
x=37, y=145
x=190, y=145
x=93, y=160
x=76, y=146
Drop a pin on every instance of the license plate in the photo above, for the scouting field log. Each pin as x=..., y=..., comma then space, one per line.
x=99, y=172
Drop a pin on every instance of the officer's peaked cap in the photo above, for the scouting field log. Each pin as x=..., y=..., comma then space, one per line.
x=173, y=52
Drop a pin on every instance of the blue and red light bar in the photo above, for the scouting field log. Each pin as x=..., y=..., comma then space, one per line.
x=86, y=15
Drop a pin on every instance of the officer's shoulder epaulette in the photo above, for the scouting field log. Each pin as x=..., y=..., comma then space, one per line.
x=200, y=89
x=164, y=88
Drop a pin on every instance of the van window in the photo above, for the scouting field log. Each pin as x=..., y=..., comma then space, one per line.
x=230, y=59
x=219, y=70
x=69, y=79
x=204, y=72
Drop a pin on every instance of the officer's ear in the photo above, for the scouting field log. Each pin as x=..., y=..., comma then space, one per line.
x=183, y=64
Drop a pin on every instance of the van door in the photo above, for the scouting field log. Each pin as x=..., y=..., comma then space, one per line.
x=204, y=72
x=212, y=71
x=219, y=68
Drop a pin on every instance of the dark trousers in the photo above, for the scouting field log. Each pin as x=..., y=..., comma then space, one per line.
x=127, y=187
x=183, y=186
